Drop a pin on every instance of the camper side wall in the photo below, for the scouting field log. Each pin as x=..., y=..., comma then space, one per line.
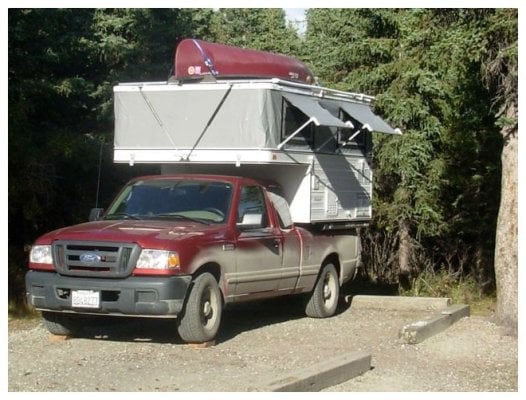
x=341, y=189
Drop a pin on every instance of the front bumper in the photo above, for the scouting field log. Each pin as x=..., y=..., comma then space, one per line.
x=133, y=296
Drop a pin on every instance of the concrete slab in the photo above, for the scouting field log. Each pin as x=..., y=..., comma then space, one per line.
x=418, y=331
x=324, y=374
x=398, y=302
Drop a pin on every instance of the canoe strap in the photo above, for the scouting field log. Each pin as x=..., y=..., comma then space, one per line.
x=206, y=59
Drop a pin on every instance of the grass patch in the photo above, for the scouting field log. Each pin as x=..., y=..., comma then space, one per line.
x=461, y=290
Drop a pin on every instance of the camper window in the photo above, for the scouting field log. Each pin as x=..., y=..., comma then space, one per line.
x=292, y=119
x=358, y=140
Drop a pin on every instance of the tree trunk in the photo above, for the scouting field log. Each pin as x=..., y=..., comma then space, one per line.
x=404, y=254
x=506, y=241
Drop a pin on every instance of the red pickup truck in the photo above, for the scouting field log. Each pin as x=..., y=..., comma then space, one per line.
x=183, y=247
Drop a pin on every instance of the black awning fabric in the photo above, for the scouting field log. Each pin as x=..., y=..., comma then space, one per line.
x=310, y=106
x=363, y=113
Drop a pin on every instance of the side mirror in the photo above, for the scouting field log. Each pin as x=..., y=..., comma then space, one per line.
x=95, y=214
x=251, y=221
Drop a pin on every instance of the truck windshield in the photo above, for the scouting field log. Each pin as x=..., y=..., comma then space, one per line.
x=194, y=200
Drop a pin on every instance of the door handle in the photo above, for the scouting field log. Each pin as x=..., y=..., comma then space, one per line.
x=229, y=247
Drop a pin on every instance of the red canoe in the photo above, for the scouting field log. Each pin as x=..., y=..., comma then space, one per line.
x=196, y=59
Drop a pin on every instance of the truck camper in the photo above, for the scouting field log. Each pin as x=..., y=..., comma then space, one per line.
x=265, y=178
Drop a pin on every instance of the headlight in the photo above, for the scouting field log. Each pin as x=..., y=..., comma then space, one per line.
x=158, y=259
x=41, y=255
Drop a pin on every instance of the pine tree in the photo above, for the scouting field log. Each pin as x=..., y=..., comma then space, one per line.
x=255, y=28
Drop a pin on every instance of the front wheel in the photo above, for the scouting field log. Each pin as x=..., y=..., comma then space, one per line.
x=202, y=313
x=323, y=300
x=61, y=324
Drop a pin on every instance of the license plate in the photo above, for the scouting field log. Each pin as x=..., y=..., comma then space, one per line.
x=85, y=298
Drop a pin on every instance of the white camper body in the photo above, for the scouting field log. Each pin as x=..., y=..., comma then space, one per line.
x=315, y=142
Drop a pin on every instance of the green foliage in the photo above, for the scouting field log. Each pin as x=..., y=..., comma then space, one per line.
x=461, y=290
x=345, y=43
x=256, y=28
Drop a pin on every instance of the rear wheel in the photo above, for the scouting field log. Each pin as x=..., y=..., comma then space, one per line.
x=61, y=324
x=323, y=300
x=202, y=314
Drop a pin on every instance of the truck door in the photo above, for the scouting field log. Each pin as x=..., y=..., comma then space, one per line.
x=291, y=244
x=258, y=248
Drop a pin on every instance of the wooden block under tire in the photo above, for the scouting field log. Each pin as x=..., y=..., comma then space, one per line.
x=203, y=345
x=58, y=338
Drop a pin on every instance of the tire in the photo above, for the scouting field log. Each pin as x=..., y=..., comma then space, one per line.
x=323, y=300
x=202, y=313
x=60, y=324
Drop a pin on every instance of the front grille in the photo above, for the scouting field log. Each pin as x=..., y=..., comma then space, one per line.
x=96, y=259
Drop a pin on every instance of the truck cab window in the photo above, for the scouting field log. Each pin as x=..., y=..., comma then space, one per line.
x=174, y=199
x=282, y=208
x=252, y=207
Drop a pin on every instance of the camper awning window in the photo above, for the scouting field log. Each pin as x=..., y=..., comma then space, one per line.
x=310, y=107
x=363, y=113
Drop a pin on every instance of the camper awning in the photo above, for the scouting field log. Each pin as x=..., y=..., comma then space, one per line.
x=310, y=107
x=363, y=113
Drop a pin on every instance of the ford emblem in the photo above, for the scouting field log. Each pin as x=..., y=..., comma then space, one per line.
x=89, y=258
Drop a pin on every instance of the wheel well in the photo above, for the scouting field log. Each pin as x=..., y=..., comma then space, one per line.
x=212, y=268
x=334, y=260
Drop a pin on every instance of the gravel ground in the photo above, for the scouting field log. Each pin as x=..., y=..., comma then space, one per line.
x=260, y=342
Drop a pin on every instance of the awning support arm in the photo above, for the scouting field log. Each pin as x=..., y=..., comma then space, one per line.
x=366, y=126
x=295, y=133
x=209, y=121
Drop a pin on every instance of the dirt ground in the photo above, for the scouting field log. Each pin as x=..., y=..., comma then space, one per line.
x=257, y=343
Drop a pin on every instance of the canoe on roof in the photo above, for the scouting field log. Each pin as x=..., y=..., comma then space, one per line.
x=195, y=59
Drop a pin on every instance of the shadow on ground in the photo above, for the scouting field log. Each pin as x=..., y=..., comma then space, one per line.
x=237, y=318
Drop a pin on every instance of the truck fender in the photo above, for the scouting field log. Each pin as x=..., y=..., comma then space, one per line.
x=215, y=269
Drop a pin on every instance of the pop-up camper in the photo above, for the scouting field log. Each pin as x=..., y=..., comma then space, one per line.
x=314, y=141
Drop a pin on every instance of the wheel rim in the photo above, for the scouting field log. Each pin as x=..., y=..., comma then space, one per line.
x=209, y=307
x=329, y=290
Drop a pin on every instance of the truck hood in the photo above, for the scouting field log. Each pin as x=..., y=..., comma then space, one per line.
x=144, y=232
